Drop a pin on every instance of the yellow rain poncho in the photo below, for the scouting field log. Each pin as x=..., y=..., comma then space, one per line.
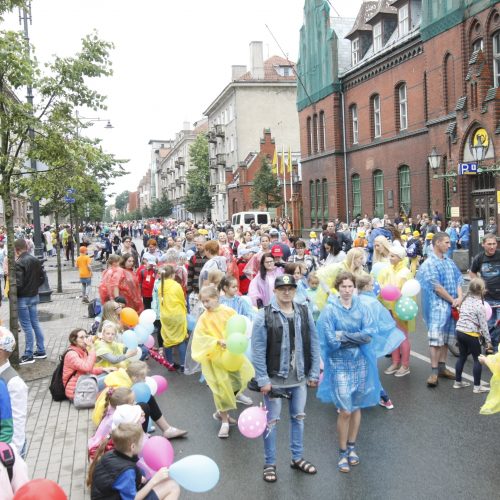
x=492, y=403
x=173, y=313
x=115, y=348
x=205, y=350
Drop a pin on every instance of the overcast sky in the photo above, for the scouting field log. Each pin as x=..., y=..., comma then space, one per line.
x=171, y=58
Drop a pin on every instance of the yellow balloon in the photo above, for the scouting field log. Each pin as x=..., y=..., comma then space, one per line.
x=232, y=362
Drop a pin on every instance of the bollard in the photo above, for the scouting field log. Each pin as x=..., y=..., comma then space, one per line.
x=44, y=291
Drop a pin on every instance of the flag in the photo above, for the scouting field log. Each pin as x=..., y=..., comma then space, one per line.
x=275, y=161
x=283, y=171
x=289, y=160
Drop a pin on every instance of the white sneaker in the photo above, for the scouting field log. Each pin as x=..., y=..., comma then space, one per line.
x=391, y=370
x=479, y=389
x=404, y=370
x=244, y=400
x=459, y=385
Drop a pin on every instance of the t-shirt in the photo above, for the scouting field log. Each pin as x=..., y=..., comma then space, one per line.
x=83, y=265
x=489, y=268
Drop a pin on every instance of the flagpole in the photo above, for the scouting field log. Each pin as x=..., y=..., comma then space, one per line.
x=290, y=171
x=284, y=177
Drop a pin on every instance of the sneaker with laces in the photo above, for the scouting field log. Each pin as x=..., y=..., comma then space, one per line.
x=26, y=360
x=392, y=369
x=39, y=355
x=386, y=404
x=478, y=389
x=404, y=370
x=461, y=384
x=244, y=400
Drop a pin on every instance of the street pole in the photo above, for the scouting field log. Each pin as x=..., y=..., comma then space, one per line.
x=37, y=230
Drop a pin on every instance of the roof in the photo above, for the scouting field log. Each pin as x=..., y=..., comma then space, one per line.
x=366, y=12
x=383, y=7
x=203, y=127
x=270, y=73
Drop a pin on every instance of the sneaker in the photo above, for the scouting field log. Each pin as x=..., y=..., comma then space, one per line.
x=386, y=404
x=244, y=400
x=173, y=432
x=404, y=370
x=480, y=389
x=432, y=381
x=392, y=369
x=39, y=355
x=461, y=384
x=26, y=360
x=446, y=374
x=224, y=431
x=231, y=420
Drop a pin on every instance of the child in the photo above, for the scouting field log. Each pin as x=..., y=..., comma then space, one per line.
x=360, y=241
x=245, y=254
x=312, y=292
x=492, y=403
x=229, y=285
x=83, y=264
x=111, y=353
x=471, y=326
x=208, y=348
x=214, y=278
x=116, y=472
x=146, y=276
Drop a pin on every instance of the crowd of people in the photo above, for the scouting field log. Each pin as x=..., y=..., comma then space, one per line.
x=317, y=312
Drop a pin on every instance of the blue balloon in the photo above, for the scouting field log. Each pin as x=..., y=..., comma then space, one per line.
x=191, y=322
x=141, y=333
x=376, y=288
x=149, y=328
x=196, y=473
x=129, y=338
x=142, y=392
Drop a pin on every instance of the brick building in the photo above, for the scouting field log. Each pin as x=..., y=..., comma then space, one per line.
x=417, y=78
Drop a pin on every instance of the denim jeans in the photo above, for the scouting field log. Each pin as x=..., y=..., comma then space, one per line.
x=296, y=405
x=495, y=316
x=28, y=317
x=86, y=282
x=169, y=355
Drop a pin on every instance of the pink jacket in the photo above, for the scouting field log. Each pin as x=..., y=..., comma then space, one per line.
x=82, y=362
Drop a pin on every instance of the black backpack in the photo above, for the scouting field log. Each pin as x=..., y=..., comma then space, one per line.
x=56, y=387
x=94, y=308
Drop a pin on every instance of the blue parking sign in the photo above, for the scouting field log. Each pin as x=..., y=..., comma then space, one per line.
x=467, y=168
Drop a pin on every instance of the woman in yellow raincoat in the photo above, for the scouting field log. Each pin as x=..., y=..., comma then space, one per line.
x=398, y=274
x=173, y=315
x=492, y=403
x=209, y=349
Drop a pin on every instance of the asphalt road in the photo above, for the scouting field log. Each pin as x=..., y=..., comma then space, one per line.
x=434, y=444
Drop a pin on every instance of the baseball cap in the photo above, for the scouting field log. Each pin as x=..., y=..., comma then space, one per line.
x=7, y=340
x=276, y=251
x=399, y=251
x=429, y=236
x=407, y=230
x=126, y=414
x=285, y=280
x=376, y=222
x=416, y=233
x=121, y=300
x=312, y=234
x=361, y=234
x=274, y=232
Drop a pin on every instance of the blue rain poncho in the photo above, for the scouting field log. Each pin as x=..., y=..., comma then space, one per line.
x=350, y=380
x=240, y=305
x=387, y=336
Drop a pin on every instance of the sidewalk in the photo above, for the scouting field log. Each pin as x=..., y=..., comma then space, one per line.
x=57, y=433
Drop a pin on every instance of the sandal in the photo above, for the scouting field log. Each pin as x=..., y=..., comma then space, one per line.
x=343, y=463
x=224, y=431
x=352, y=456
x=304, y=466
x=231, y=420
x=269, y=474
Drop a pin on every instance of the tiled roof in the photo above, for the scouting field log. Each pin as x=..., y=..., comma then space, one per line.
x=384, y=7
x=270, y=71
x=366, y=11
x=451, y=128
x=461, y=103
x=491, y=94
x=200, y=129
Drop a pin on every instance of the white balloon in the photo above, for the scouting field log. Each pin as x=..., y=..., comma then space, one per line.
x=147, y=316
x=410, y=288
x=153, y=386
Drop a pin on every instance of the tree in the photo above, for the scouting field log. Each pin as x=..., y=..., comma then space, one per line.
x=162, y=207
x=198, y=197
x=121, y=201
x=266, y=190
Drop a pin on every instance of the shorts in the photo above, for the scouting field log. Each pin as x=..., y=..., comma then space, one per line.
x=86, y=281
x=440, y=338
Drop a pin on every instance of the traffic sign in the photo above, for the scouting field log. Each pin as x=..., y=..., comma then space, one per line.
x=467, y=168
x=67, y=199
x=70, y=191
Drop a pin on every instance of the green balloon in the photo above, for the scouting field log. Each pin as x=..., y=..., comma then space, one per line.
x=406, y=309
x=237, y=343
x=236, y=324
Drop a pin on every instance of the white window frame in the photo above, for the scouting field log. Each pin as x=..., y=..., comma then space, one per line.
x=478, y=44
x=496, y=58
x=377, y=122
x=404, y=19
x=377, y=37
x=355, y=124
x=403, y=107
x=355, y=51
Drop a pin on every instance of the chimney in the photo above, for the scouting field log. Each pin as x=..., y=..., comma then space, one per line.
x=237, y=71
x=257, y=60
x=186, y=126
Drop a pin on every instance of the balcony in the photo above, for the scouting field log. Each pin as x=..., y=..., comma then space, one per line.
x=170, y=169
x=221, y=159
x=213, y=163
x=180, y=160
x=212, y=137
x=219, y=131
x=213, y=189
x=182, y=180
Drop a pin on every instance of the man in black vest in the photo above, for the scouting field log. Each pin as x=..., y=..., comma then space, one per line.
x=285, y=354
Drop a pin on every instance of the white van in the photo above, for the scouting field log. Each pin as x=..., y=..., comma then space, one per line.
x=244, y=219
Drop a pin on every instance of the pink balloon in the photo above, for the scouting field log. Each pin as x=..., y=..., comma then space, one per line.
x=252, y=422
x=150, y=342
x=489, y=310
x=161, y=382
x=158, y=452
x=390, y=293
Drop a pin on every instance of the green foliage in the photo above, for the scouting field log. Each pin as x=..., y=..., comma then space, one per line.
x=266, y=190
x=121, y=201
x=198, y=197
x=159, y=208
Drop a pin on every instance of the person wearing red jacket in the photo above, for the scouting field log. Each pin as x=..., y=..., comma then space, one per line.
x=245, y=254
x=146, y=275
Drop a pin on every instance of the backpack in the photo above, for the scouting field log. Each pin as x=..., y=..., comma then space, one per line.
x=86, y=391
x=56, y=387
x=411, y=250
x=94, y=308
x=7, y=458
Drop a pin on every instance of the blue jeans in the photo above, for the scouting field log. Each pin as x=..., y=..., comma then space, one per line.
x=28, y=317
x=495, y=316
x=296, y=407
x=169, y=355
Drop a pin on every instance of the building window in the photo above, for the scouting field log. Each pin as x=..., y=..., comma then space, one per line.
x=378, y=193
x=376, y=122
x=449, y=83
x=284, y=70
x=312, y=197
x=322, y=131
x=403, y=107
x=377, y=37
x=319, y=204
x=496, y=59
x=477, y=45
x=354, y=120
x=403, y=20
x=404, y=189
x=355, y=55
x=315, y=133
x=309, y=136
x=356, y=195
x=326, y=214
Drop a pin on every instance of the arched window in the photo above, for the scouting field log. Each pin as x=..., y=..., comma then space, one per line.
x=401, y=107
x=356, y=195
x=449, y=83
x=354, y=123
x=326, y=214
x=315, y=134
x=404, y=189
x=312, y=197
x=322, y=131
x=309, y=136
x=319, y=203
x=495, y=43
x=378, y=193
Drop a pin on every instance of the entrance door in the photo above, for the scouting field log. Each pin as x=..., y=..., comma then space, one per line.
x=484, y=205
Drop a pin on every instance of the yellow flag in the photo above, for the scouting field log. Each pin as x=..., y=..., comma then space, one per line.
x=289, y=160
x=283, y=160
x=275, y=161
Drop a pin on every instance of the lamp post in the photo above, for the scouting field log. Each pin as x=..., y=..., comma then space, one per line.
x=448, y=175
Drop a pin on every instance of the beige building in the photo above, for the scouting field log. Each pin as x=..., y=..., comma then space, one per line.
x=159, y=150
x=262, y=97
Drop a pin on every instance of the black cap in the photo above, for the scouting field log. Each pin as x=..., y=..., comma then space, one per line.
x=121, y=300
x=285, y=280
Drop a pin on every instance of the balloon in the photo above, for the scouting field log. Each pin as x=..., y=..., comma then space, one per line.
x=390, y=293
x=153, y=386
x=191, y=322
x=158, y=452
x=129, y=338
x=147, y=472
x=137, y=356
x=148, y=316
x=410, y=288
x=232, y=362
x=40, y=488
x=376, y=288
x=237, y=343
x=406, y=309
x=129, y=317
x=150, y=342
x=236, y=324
x=378, y=267
x=489, y=310
x=142, y=392
x=141, y=333
x=195, y=473
x=161, y=383
x=252, y=422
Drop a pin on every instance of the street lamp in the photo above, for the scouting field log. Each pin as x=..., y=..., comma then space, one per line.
x=479, y=150
x=434, y=159
x=450, y=176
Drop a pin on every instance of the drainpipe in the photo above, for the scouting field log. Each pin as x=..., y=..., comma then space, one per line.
x=346, y=180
